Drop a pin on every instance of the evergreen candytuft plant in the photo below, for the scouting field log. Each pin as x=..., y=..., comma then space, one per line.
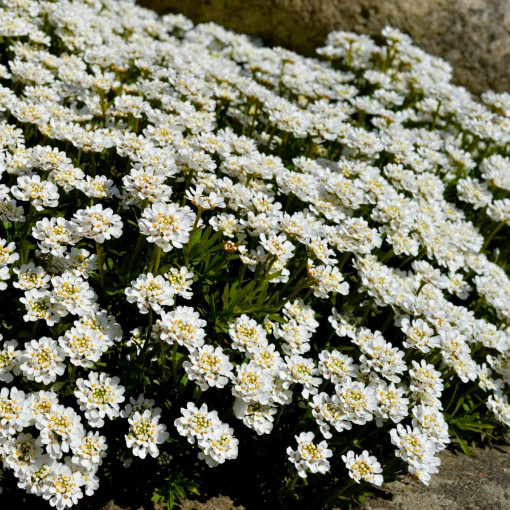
x=224, y=258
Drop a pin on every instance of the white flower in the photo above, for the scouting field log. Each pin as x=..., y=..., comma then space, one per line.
x=30, y=277
x=14, y=414
x=7, y=253
x=486, y=381
x=54, y=235
x=246, y=334
x=33, y=478
x=79, y=262
x=184, y=326
x=255, y=416
x=431, y=421
x=90, y=451
x=417, y=449
x=98, y=187
x=167, y=225
x=418, y=335
x=99, y=396
x=41, y=194
x=498, y=404
x=20, y=452
x=474, y=192
x=382, y=358
x=39, y=306
x=328, y=412
x=209, y=367
x=499, y=210
x=150, y=292
x=357, y=401
x=139, y=405
x=63, y=487
x=219, y=446
x=146, y=183
x=180, y=280
x=97, y=223
x=326, y=279
x=9, y=360
x=84, y=345
x=41, y=403
x=145, y=433
x=67, y=176
x=252, y=383
x=278, y=246
x=391, y=403
x=426, y=382
x=41, y=361
x=296, y=337
x=60, y=430
x=212, y=201
x=196, y=423
x=309, y=456
x=336, y=366
x=229, y=225
x=106, y=325
x=72, y=294
x=303, y=314
x=266, y=357
x=303, y=371
x=363, y=467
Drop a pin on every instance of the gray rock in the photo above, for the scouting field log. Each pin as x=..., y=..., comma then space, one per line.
x=473, y=35
x=479, y=482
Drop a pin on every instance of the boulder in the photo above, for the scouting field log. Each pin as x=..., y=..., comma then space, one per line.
x=473, y=35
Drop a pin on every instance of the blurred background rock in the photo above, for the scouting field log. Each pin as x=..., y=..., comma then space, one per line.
x=473, y=35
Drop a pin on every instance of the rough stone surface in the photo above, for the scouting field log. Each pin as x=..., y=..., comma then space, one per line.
x=478, y=482
x=473, y=35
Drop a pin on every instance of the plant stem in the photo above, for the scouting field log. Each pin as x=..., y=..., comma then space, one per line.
x=335, y=493
x=149, y=331
x=137, y=249
x=305, y=282
x=388, y=321
x=186, y=186
x=174, y=364
x=100, y=262
x=280, y=412
x=368, y=307
x=73, y=373
x=48, y=263
x=492, y=234
x=156, y=258
x=292, y=482
x=422, y=284
x=387, y=256
x=34, y=330
x=266, y=266
x=28, y=221
x=241, y=274
x=344, y=260
x=162, y=345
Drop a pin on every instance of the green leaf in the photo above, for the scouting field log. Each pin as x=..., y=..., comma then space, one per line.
x=462, y=443
x=224, y=296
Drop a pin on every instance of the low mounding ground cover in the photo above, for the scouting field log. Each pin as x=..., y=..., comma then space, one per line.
x=222, y=262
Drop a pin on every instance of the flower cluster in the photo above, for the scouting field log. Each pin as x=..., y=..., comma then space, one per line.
x=216, y=439
x=294, y=244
